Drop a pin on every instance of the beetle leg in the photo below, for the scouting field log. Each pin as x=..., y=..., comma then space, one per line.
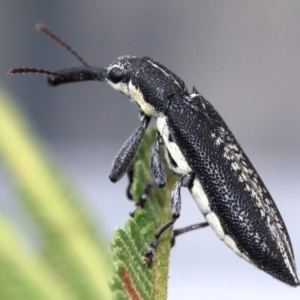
x=126, y=155
x=157, y=167
x=175, y=206
x=157, y=170
x=130, y=179
x=179, y=231
x=142, y=200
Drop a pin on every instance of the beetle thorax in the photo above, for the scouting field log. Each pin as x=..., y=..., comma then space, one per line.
x=135, y=94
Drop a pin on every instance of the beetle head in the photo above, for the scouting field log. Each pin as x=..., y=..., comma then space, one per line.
x=149, y=84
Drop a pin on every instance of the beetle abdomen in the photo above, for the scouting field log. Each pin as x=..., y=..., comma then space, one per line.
x=228, y=190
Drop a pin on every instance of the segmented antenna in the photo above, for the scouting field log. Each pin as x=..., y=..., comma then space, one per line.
x=44, y=29
x=34, y=70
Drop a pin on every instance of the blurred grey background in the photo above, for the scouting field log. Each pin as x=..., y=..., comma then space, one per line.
x=243, y=56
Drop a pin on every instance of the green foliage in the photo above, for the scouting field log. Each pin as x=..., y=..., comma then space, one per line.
x=73, y=262
x=132, y=278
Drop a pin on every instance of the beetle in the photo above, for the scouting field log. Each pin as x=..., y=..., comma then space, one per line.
x=200, y=148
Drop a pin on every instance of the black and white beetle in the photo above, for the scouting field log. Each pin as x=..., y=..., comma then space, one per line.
x=200, y=148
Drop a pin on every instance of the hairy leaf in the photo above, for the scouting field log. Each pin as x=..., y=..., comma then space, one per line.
x=133, y=279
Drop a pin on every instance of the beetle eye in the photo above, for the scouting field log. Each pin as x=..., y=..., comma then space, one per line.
x=115, y=75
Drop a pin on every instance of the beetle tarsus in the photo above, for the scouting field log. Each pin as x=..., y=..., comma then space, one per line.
x=175, y=206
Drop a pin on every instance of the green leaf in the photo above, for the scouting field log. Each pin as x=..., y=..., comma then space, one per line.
x=23, y=274
x=72, y=247
x=73, y=262
x=133, y=279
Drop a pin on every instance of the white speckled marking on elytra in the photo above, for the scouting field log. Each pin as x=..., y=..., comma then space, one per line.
x=182, y=165
x=248, y=176
x=203, y=203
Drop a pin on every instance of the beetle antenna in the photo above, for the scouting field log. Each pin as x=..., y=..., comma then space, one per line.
x=34, y=70
x=44, y=29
